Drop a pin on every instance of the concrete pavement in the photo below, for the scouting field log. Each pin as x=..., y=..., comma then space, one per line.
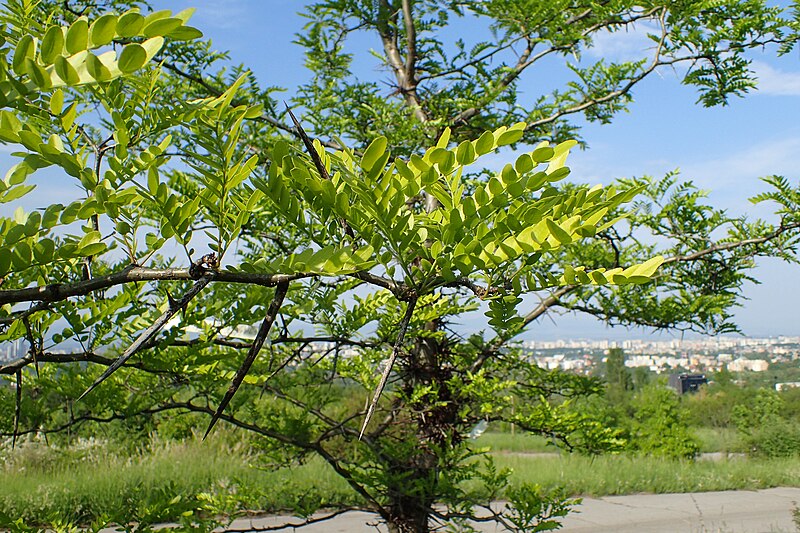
x=763, y=511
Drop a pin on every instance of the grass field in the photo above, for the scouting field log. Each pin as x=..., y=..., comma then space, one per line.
x=89, y=481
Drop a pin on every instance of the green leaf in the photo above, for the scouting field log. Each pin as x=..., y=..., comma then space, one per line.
x=161, y=27
x=512, y=135
x=557, y=231
x=646, y=269
x=485, y=143
x=57, y=102
x=508, y=174
x=66, y=71
x=15, y=193
x=97, y=69
x=185, y=33
x=152, y=46
x=22, y=256
x=5, y=261
x=542, y=154
x=52, y=45
x=44, y=251
x=103, y=29
x=92, y=249
x=186, y=14
x=465, y=155
x=157, y=15
x=26, y=49
x=78, y=36
x=132, y=58
x=373, y=153
x=130, y=24
x=524, y=163
x=38, y=74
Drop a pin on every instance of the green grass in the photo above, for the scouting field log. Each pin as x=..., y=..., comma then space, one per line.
x=88, y=481
x=79, y=487
x=517, y=443
x=718, y=439
x=623, y=474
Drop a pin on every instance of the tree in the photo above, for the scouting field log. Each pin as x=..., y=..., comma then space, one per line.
x=618, y=376
x=201, y=232
x=659, y=423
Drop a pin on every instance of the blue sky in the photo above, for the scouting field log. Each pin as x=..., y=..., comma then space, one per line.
x=725, y=150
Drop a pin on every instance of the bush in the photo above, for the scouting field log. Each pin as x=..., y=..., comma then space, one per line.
x=659, y=426
x=781, y=438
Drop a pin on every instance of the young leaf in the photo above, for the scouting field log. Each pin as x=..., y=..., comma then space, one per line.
x=132, y=58
x=130, y=24
x=26, y=49
x=78, y=36
x=52, y=44
x=373, y=153
x=102, y=30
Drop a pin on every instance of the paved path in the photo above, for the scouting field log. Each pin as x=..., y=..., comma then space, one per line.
x=763, y=511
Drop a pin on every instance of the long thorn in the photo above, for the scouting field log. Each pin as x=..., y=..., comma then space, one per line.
x=258, y=342
x=150, y=332
x=323, y=172
x=17, y=409
x=388, y=370
x=315, y=157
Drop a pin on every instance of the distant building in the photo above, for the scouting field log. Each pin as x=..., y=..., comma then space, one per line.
x=684, y=383
x=753, y=365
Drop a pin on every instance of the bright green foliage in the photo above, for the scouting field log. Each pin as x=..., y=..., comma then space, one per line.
x=366, y=251
x=779, y=439
x=765, y=431
x=659, y=424
x=618, y=377
x=54, y=56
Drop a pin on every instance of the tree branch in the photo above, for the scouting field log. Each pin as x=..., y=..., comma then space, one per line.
x=733, y=245
x=57, y=292
x=406, y=84
x=89, y=357
x=293, y=525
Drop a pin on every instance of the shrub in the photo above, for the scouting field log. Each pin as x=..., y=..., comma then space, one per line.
x=659, y=426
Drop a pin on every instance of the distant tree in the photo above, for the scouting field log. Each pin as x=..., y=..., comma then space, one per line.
x=660, y=424
x=618, y=377
x=642, y=376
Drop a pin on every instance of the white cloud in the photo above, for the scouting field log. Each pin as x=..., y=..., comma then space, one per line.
x=775, y=82
x=760, y=159
x=625, y=44
x=222, y=14
x=734, y=177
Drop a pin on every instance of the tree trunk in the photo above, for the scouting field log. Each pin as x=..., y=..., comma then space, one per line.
x=433, y=426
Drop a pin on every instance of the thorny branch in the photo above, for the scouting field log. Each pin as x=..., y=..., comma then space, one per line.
x=150, y=332
x=56, y=292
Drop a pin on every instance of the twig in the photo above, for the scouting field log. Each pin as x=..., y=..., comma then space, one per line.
x=308, y=521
